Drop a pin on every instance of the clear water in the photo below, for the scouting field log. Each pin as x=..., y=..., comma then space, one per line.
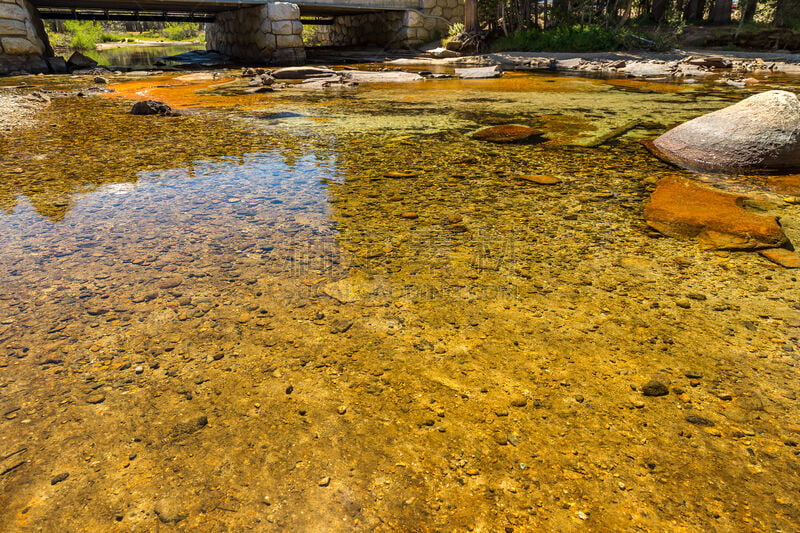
x=383, y=327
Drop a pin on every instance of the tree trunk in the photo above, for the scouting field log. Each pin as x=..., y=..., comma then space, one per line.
x=749, y=10
x=470, y=15
x=694, y=10
x=787, y=13
x=626, y=15
x=658, y=13
x=559, y=12
x=721, y=12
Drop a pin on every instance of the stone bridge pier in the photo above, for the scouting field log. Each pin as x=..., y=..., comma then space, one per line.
x=271, y=33
x=407, y=28
x=24, y=45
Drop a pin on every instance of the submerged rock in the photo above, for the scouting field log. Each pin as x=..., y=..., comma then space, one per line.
x=540, y=179
x=760, y=132
x=681, y=208
x=655, y=388
x=170, y=510
x=785, y=185
x=783, y=257
x=505, y=134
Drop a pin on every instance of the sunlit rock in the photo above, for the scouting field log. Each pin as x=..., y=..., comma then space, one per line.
x=760, y=132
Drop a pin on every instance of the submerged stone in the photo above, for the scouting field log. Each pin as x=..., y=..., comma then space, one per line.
x=760, y=132
x=683, y=209
x=505, y=134
x=783, y=257
x=785, y=185
x=170, y=511
x=655, y=388
x=540, y=179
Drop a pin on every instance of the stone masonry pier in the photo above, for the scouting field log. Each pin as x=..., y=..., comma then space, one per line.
x=405, y=28
x=23, y=42
x=271, y=33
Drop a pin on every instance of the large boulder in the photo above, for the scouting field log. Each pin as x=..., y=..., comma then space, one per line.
x=151, y=107
x=760, y=132
x=681, y=208
x=78, y=61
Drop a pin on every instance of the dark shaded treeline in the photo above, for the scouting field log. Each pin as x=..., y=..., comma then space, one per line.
x=522, y=14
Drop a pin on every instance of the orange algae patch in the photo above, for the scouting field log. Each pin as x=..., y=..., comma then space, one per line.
x=644, y=86
x=180, y=92
x=509, y=82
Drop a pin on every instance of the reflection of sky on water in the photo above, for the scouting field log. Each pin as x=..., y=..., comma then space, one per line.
x=247, y=199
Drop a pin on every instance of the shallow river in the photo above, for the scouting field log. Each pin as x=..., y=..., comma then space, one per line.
x=335, y=311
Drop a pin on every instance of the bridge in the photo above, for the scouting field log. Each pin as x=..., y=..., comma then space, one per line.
x=256, y=31
x=199, y=10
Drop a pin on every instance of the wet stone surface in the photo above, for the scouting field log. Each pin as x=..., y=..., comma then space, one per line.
x=215, y=321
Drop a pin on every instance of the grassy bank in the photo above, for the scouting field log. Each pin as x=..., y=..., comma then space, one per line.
x=85, y=35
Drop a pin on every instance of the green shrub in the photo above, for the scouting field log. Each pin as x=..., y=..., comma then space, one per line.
x=454, y=29
x=181, y=31
x=84, y=34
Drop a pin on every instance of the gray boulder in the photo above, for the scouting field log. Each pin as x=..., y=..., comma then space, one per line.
x=760, y=132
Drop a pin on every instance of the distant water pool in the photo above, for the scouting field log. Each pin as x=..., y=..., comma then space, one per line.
x=141, y=56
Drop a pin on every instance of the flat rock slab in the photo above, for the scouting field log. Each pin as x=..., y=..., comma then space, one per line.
x=760, y=132
x=782, y=256
x=505, y=133
x=440, y=53
x=301, y=73
x=479, y=72
x=391, y=76
x=681, y=208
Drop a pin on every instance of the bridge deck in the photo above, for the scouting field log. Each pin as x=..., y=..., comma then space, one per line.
x=182, y=6
x=124, y=9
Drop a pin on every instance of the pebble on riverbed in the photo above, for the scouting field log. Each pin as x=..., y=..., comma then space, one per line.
x=59, y=478
x=655, y=388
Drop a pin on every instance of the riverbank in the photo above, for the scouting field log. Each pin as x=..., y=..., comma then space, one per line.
x=135, y=43
x=678, y=63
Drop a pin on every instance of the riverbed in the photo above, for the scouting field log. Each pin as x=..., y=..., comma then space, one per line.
x=334, y=310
